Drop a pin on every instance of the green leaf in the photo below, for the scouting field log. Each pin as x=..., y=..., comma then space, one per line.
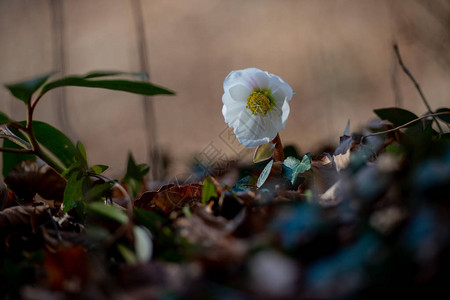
x=263, y=152
x=293, y=167
x=98, y=169
x=242, y=184
x=73, y=192
x=106, y=211
x=136, y=87
x=97, y=74
x=396, y=116
x=209, y=190
x=14, y=136
x=148, y=218
x=81, y=154
x=445, y=118
x=97, y=192
x=4, y=118
x=127, y=254
x=24, y=90
x=10, y=160
x=134, y=175
x=264, y=174
x=55, y=141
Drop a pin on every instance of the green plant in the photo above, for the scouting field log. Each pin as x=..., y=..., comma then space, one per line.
x=29, y=138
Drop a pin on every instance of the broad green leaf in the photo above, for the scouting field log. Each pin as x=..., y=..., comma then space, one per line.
x=148, y=218
x=445, y=118
x=209, y=190
x=143, y=244
x=97, y=74
x=264, y=174
x=73, y=192
x=10, y=160
x=293, y=167
x=136, y=87
x=263, y=152
x=55, y=141
x=134, y=175
x=24, y=90
x=107, y=211
x=4, y=118
x=98, y=169
x=396, y=116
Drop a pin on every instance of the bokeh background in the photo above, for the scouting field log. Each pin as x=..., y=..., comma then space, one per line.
x=336, y=54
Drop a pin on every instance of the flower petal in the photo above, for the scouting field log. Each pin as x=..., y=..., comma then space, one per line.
x=253, y=130
x=259, y=79
x=240, y=92
x=286, y=109
x=281, y=91
x=231, y=109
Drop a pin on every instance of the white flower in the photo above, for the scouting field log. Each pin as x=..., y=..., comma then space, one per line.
x=255, y=105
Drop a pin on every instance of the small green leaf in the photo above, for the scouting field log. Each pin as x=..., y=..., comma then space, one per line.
x=24, y=90
x=107, y=211
x=81, y=154
x=97, y=192
x=445, y=118
x=396, y=116
x=98, y=169
x=263, y=152
x=293, y=167
x=209, y=190
x=134, y=176
x=73, y=192
x=127, y=254
x=264, y=174
x=136, y=87
x=148, y=218
x=187, y=211
x=242, y=184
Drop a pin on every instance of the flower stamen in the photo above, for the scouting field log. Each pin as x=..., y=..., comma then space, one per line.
x=259, y=102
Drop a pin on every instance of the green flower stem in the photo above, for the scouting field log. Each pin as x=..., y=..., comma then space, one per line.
x=278, y=153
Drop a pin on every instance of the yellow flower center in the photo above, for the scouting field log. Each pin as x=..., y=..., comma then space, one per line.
x=259, y=102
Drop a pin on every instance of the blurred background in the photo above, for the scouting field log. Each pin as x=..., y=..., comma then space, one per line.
x=337, y=55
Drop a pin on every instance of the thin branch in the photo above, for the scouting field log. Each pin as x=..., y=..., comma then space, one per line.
x=404, y=125
x=16, y=125
x=416, y=84
x=12, y=150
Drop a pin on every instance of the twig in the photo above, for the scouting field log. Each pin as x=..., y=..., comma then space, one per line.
x=404, y=125
x=12, y=150
x=416, y=84
x=279, y=154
